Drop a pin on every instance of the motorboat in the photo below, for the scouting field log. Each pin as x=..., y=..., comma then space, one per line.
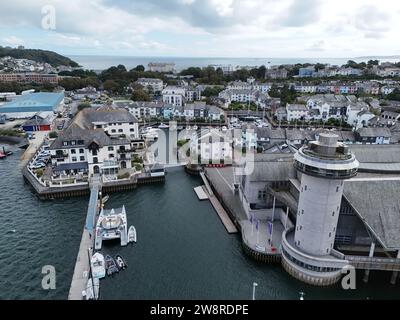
x=132, y=236
x=98, y=266
x=120, y=262
x=111, y=224
x=163, y=126
x=106, y=198
x=150, y=134
x=111, y=265
x=92, y=289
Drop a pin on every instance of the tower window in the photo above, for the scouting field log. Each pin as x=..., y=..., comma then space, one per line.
x=333, y=213
x=305, y=188
x=327, y=250
x=302, y=211
x=337, y=189
x=330, y=234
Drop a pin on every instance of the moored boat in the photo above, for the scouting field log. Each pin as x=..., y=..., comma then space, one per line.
x=132, y=236
x=121, y=262
x=111, y=265
x=98, y=266
x=92, y=289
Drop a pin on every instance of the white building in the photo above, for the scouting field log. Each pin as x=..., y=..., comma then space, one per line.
x=161, y=67
x=213, y=147
x=238, y=95
x=174, y=96
x=297, y=112
x=142, y=109
x=83, y=151
x=116, y=122
x=156, y=85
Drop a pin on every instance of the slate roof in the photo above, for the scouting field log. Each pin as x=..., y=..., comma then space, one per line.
x=378, y=205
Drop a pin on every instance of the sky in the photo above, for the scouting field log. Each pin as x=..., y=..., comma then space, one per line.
x=204, y=28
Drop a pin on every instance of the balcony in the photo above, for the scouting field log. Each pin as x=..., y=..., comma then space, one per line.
x=124, y=157
x=125, y=151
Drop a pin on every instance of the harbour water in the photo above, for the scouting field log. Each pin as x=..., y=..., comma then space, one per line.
x=104, y=62
x=183, y=250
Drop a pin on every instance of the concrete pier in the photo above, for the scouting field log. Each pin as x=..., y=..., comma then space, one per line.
x=82, y=265
x=223, y=215
x=81, y=271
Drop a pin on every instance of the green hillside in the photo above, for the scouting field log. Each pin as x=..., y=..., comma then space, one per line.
x=42, y=56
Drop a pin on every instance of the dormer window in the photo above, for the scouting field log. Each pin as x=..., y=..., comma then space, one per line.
x=65, y=143
x=73, y=142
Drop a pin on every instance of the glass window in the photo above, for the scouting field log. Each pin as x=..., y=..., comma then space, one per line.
x=74, y=159
x=73, y=151
x=81, y=150
x=110, y=148
x=82, y=158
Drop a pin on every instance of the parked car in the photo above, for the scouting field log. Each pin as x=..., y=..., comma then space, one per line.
x=38, y=165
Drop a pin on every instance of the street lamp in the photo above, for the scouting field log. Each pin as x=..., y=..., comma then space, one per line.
x=255, y=284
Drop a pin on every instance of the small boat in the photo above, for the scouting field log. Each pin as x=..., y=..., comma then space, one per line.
x=92, y=289
x=163, y=126
x=111, y=265
x=98, y=266
x=121, y=262
x=106, y=198
x=9, y=153
x=132, y=237
x=2, y=155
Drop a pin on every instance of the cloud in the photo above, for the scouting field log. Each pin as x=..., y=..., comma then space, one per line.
x=13, y=41
x=300, y=13
x=372, y=21
x=262, y=28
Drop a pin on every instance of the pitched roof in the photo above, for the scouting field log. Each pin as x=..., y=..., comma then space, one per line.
x=378, y=205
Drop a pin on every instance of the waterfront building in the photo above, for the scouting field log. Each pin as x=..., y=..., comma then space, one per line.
x=308, y=251
x=116, y=122
x=331, y=210
x=37, y=123
x=26, y=106
x=82, y=151
x=212, y=147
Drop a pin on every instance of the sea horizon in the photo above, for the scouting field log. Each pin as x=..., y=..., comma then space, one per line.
x=102, y=62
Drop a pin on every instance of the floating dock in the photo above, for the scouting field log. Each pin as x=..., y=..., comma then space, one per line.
x=223, y=215
x=201, y=194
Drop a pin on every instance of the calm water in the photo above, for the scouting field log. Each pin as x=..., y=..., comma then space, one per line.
x=183, y=250
x=104, y=62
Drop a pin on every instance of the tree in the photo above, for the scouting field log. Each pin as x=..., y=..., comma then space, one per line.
x=140, y=95
x=84, y=106
x=53, y=135
x=112, y=86
x=395, y=95
x=139, y=68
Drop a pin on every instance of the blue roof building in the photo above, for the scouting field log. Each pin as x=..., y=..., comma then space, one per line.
x=26, y=106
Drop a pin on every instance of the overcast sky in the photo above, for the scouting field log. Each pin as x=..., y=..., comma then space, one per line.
x=207, y=28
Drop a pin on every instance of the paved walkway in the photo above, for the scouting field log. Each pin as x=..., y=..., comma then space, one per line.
x=82, y=266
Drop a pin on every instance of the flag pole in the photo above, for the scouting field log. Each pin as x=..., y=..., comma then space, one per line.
x=287, y=215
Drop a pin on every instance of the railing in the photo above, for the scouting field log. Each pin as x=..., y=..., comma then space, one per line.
x=374, y=263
